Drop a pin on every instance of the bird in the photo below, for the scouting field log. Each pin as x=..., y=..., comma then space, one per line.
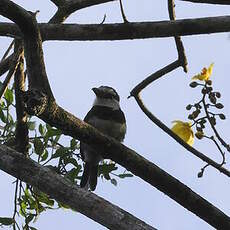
x=106, y=116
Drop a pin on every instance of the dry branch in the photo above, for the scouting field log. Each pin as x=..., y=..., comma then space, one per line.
x=220, y=2
x=5, y=64
x=65, y=8
x=179, y=45
x=122, y=31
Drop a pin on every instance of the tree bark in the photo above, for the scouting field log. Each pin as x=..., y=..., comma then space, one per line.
x=62, y=190
x=124, y=31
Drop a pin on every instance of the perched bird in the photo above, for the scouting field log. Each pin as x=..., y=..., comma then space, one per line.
x=106, y=116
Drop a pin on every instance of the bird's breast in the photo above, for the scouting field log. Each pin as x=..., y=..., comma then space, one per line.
x=111, y=128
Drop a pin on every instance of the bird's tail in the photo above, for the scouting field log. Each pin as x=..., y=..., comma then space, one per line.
x=89, y=176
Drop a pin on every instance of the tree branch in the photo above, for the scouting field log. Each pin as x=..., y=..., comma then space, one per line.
x=122, y=31
x=5, y=64
x=12, y=68
x=179, y=45
x=221, y=2
x=85, y=202
x=136, y=94
x=21, y=132
x=64, y=10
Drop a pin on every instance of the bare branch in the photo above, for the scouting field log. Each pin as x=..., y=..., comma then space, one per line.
x=5, y=64
x=122, y=31
x=123, y=12
x=64, y=10
x=85, y=202
x=7, y=51
x=221, y=2
x=180, y=48
x=12, y=69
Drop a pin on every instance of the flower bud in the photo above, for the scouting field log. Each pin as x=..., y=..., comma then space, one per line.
x=193, y=84
x=199, y=135
x=219, y=106
x=189, y=106
x=209, y=82
x=218, y=95
x=222, y=116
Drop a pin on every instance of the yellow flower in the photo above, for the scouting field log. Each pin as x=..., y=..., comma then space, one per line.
x=184, y=131
x=205, y=73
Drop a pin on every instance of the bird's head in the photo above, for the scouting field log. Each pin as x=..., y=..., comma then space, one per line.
x=106, y=92
x=106, y=96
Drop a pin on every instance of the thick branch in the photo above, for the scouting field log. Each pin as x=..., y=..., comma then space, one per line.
x=122, y=31
x=87, y=203
x=138, y=165
x=220, y=2
x=21, y=133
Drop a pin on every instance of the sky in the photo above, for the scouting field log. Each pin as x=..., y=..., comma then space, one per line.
x=73, y=68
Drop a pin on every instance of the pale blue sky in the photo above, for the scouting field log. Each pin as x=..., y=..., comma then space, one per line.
x=74, y=68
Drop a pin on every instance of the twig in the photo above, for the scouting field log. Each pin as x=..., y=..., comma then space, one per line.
x=178, y=139
x=122, y=12
x=153, y=77
x=213, y=127
x=66, y=8
x=220, y=2
x=5, y=64
x=180, y=48
x=11, y=72
x=7, y=51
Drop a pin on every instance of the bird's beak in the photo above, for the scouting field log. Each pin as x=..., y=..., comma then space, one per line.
x=96, y=90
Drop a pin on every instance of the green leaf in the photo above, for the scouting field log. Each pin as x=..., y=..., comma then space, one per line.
x=59, y=152
x=32, y=228
x=124, y=175
x=29, y=218
x=62, y=205
x=53, y=132
x=22, y=210
x=38, y=146
x=9, y=96
x=106, y=168
x=42, y=129
x=113, y=181
x=6, y=221
x=57, y=138
x=44, y=155
x=31, y=125
x=72, y=161
x=73, y=144
x=2, y=116
x=72, y=174
x=43, y=198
